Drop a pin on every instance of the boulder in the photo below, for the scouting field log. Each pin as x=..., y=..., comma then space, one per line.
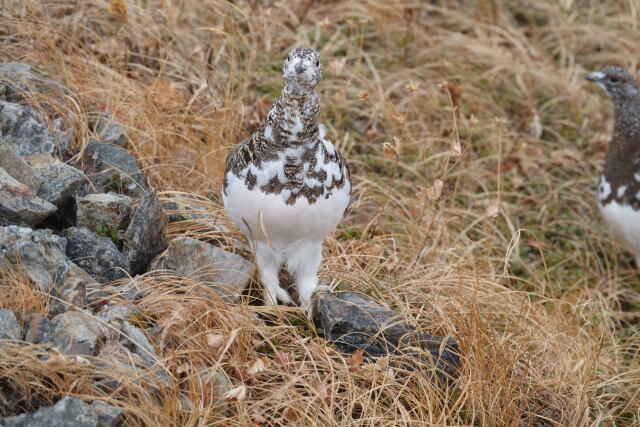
x=353, y=321
x=110, y=131
x=115, y=355
x=113, y=169
x=60, y=182
x=18, y=168
x=22, y=132
x=214, y=385
x=105, y=212
x=146, y=235
x=74, y=333
x=68, y=412
x=97, y=255
x=41, y=256
x=73, y=291
x=40, y=253
x=108, y=415
x=17, y=79
x=19, y=204
x=226, y=273
x=10, y=328
x=36, y=328
x=112, y=318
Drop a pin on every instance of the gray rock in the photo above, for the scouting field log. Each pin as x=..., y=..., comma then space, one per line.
x=111, y=320
x=136, y=340
x=37, y=327
x=110, y=131
x=10, y=328
x=41, y=256
x=74, y=332
x=108, y=415
x=105, y=211
x=97, y=255
x=113, y=168
x=19, y=204
x=18, y=168
x=22, y=132
x=182, y=209
x=354, y=321
x=8, y=73
x=146, y=235
x=68, y=412
x=63, y=137
x=214, y=385
x=17, y=79
x=134, y=289
x=115, y=355
x=227, y=273
x=73, y=291
x=60, y=182
x=40, y=252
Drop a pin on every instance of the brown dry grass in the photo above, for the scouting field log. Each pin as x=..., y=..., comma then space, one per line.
x=486, y=96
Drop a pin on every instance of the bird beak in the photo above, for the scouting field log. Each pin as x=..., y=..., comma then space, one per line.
x=300, y=68
x=597, y=76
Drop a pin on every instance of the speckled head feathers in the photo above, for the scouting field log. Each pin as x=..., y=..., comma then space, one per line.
x=617, y=82
x=302, y=69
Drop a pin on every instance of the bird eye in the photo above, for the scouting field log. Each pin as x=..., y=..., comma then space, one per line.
x=317, y=63
x=613, y=79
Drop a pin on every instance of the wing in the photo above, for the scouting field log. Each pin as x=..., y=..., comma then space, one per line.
x=240, y=156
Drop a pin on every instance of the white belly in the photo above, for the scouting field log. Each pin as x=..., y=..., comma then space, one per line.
x=625, y=224
x=270, y=219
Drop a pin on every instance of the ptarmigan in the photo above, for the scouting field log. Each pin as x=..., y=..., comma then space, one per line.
x=287, y=187
x=619, y=187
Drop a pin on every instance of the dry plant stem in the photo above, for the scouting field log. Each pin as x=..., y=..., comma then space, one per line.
x=552, y=340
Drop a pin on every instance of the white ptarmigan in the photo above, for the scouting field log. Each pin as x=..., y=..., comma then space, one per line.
x=286, y=187
x=619, y=187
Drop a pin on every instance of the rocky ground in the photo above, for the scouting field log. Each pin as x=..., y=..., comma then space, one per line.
x=85, y=230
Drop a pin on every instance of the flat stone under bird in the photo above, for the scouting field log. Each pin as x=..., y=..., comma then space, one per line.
x=286, y=187
x=619, y=187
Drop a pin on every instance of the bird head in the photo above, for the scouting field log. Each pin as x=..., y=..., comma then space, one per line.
x=302, y=69
x=617, y=82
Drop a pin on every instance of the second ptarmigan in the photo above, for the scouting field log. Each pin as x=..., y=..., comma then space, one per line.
x=287, y=187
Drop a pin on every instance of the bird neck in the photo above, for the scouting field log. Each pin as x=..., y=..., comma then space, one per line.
x=627, y=119
x=293, y=118
x=624, y=149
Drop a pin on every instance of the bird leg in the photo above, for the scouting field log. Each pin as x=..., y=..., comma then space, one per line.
x=269, y=266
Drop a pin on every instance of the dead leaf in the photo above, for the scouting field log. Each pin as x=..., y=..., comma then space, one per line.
x=517, y=182
x=282, y=359
x=215, y=340
x=564, y=155
x=337, y=66
x=291, y=414
x=258, y=420
x=391, y=149
x=118, y=8
x=355, y=360
x=412, y=86
x=183, y=368
x=322, y=389
x=456, y=147
x=435, y=191
x=494, y=207
x=256, y=367
x=363, y=96
x=399, y=118
x=237, y=394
